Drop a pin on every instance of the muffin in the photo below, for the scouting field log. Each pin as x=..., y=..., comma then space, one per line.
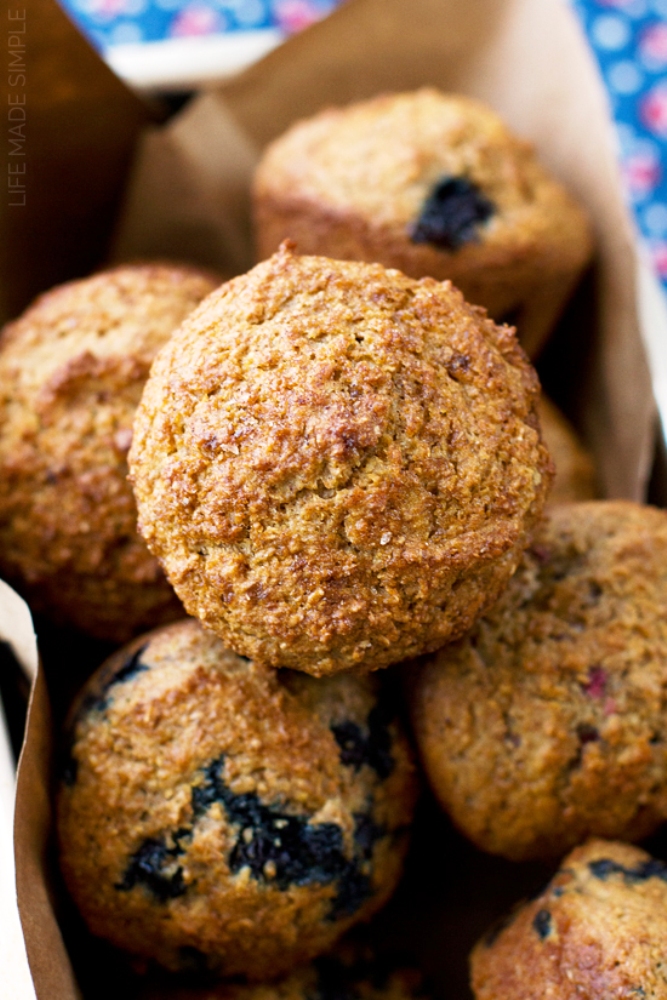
x=71, y=373
x=216, y=816
x=349, y=973
x=575, y=471
x=597, y=930
x=548, y=723
x=336, y=465
x=433, y=184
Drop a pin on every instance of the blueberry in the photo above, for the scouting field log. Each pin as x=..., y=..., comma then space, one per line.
x=283, y=850
x=542, y=924
x=451, y=214
x=372, y=747
x=99, y=701
x=366, y=834
x=130, y=668
x=652, y=868
x=152, y=866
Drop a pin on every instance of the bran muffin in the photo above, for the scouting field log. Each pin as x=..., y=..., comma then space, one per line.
x=71, y=373
x=217, y=816
x=548, y=723
x=433, y=184
x=338, y=466
x=575, y=472
x=598, y=930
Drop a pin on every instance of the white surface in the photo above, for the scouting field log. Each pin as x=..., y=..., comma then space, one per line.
x=15, y=979
x=188, y=63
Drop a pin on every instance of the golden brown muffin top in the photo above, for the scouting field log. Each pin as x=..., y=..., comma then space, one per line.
x=324, y=448
x=384, y=157
x=124, y=313
x=72, y=369
x=547, y=723
x=215, y=808
x=597, y=931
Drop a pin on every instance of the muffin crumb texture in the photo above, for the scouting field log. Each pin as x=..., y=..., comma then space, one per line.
x=218, y=816
x=433, y=184
x=547, y=723
x=72, y=369
x=338, y=466
x=597, y=930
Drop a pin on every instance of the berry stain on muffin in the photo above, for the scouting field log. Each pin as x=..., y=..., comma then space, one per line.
x=546, y=724
x=452, y=214
x=154, y=867
x=373, y=747
x=596, y=930
x=276, y=846
x=602, y=868
x=206, y=803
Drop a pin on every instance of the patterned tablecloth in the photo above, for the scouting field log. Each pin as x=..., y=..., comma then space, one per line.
x=629, y=38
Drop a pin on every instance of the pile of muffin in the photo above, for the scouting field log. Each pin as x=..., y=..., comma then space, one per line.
x=340, y=475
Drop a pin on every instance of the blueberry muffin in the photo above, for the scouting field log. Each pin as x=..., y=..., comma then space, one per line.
x=548, y=723
x=598, y=930
x=575, y=471
x=349, y=973
x=217, y=816
x=338, y=466
x=72, y=369
x=433, y=184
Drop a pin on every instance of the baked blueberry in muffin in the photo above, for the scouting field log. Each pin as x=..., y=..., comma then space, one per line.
x=548, y=722
x=433, y=184
x=216, y=814
x=597, y=930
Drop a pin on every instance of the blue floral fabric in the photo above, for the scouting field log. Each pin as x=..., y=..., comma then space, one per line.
x=629, y=38
x=119, y=22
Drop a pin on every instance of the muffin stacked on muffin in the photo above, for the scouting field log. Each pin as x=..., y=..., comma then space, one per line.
x=338, y=466
x=433, y=184
x=72, y=370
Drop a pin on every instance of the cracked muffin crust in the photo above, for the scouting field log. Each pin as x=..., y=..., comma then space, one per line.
x=433, y=184
x=217, y=816
x=338, y=466
x=71, y=373
x=597, y=930
x=548, y=723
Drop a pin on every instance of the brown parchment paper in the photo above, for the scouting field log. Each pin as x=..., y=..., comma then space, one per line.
x=16, y=630
x=77, y=126
x=188, y=198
